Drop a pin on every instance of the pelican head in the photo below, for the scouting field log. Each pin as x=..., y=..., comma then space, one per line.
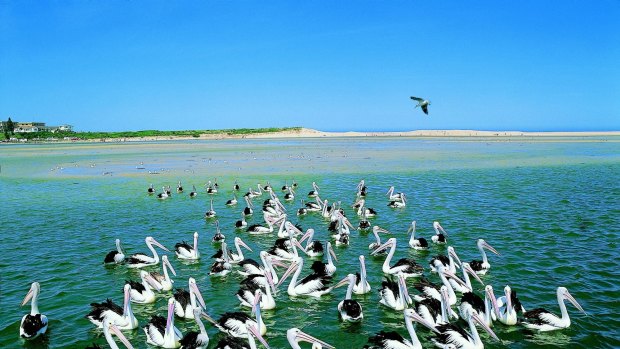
x=295, y=335
x=483, y=244
x=564, y=294
x=151, y=241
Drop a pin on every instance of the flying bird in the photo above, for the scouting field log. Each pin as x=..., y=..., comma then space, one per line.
x=422, y=103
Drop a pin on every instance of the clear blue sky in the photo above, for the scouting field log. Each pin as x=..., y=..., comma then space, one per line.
x=328, y=65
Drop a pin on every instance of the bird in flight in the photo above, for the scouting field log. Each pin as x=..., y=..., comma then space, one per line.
x=422, y=103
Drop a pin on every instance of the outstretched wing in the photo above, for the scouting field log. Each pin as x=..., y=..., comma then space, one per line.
x=425, y=108
x=418, y=99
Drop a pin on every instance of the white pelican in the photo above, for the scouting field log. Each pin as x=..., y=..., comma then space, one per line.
x=163, y=281
x=267, y=187
x=242, y=223
x=179, y=187
x=117, y=256
x=150, y=190
x=441, y=235
x=223, y=266
x=35, y=323
x=167, y=190
x=446, y=261
x=471, y=302
x=314, y=192
x=481, y=267
x=140, y=260
x=452, y=334
x=507, y=306
x=313, y=248
x=249, y=290
x=328, y=268
x=256, y=229
x=303, y=210
x=183, y=250
x=361, y=284
x=285, y=187
x=314, y=206
x=193, y=193
x=211, y=189
x=235, y=258
x=251, y=194
x=542, y=320
x=193, y=339
x=416, y=244
x=393, y=340
x=121, y=317
x=394, y=294
x=141, y=292
x=186, y=301
x=232, y=201
x=350, y=309
x=211, y=212
x=161, y=331
x=107, y=326
x=422, y=103
x=285, y=248
x=408, y=267
x=373, y=246
x=247, y=211
x=363, y=224
x=314, y=285
x=295, y=335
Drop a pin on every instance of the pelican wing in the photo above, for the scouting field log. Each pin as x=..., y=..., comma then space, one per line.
x=418, y=99
x=313, y=283
x=424, y=108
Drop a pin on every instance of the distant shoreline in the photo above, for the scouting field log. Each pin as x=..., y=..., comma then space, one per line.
x=311, y=133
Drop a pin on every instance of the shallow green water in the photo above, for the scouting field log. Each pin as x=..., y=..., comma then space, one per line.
x=550, y=208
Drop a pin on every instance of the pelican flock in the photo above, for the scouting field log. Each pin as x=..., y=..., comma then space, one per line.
x=451, y=309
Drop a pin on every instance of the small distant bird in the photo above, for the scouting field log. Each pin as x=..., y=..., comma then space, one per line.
x=422, y=103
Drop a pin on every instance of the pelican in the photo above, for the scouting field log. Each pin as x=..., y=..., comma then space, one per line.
x=350, y=309
x=230, y=342
x=408, y=267
x=507, y=306
x=314, y=206
x=373, y=246
x=393, y=340
x=186, y=301
x=150, y=190
x=236, y=186
x=542, y=320
x=117, y=256
x=363, y=224
x=303, y=210
x=179, y=187
x=452, y=334
x=314, y=192
x=247, y=211
x=402, y=202
x=432, y=291
x=141, y=292
x=241, y=224
x=211, y=213
x=314, y=285
x=35, y=323
x=235, y=323
x=251, y=267
x=313, y=248
x=440, y=236
x=167, y=190
x=446, y=261
x=107, y=326
x=290, y=196
x=184, y=251
x=394, y=294
x=121, y=317
x=140, y=260
x=218, y=236
x=361, y=284
x=256, y=229
x=394, y=197
x=222, y=267
x=161, y=331
x=422, y=103
x=232, y=201
x=467, y=270
x=436, y=311
x=481, y=267
x=285, y=248
x=249, y=290
x=416, y=244
x=295, y=335
x=361, y=209
x=471, y=302
x=328, y=268
x=193, y=339
x=193, y=193
x=211, y=189
x=164, y=194
x=235, y=258
x=163, y=281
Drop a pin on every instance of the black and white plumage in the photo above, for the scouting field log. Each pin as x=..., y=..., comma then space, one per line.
x=185, y=301
x=142, y=292
x=237, y=323
x=406, y=266
x=542, y=320
x=183, y=250
x=107, y=326
x=481, y=267
x=121, y=317
x=507, y=306
x=349, y=309
x=161, y=331
x=115, y=257
x=150, y=190
x=461, y=339
x=234, y=257
x=422, y=103
x=163, y=279
x=236, y=186
x=194, y=339
x=139, y=260
x=193, y=193
x=394, y=294
x=232, y=201
x=314, y=192
x=164, y=194
x=33, y=324
x=295, y=335
x=314, y=285
x=361, y=282
x=211, y=212
x=441, y=236
x=416, y=244
x=179, y=187
x=429, y=289
x=250, y=289
x=449, y=261
x=242, y=223
x=393, y=340
x=328, y=268
x=223, y=266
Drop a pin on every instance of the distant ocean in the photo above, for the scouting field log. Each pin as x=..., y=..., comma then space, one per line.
x=549, y=206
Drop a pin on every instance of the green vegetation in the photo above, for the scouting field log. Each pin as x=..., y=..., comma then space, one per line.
x=149, y=133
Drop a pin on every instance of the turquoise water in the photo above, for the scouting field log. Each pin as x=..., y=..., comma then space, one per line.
x=551, y=208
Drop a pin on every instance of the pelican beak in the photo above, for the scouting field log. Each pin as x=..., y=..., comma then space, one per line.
x=363, y=266
x=403, y=288
x=256, y=302
x=208, y=318
x=256, y=333
x=28, y=295
x=170, y=319
x=507, y=293
x=242, y=243
x=159, y=245
x=120, y=336
x=290, y=269
x=196, y=291
x=455, y=278
x=416, y=317
x=277, y=262
x=331, y=251
x=452, y=253
x=489, y=292
x=126, y=297
x=490, y=248
x=342, y=282
x=298, y=245
x=471, y=272
x=270, y=282
x=306, y=235
x=574, y=301
x=302, y=336
x=381, y=230
x=381, y=248
x=167, y=262
x=484, y=325
x=149, y=279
